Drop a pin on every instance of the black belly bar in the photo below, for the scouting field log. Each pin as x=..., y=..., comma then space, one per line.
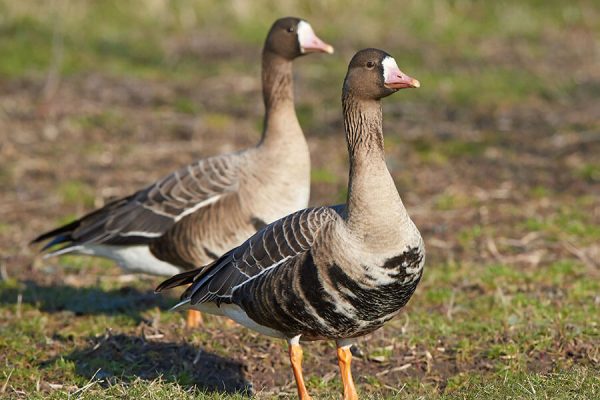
x=283, y=307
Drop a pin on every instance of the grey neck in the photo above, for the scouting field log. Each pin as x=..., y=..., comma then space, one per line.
x=363, y=123
x=374, y=207
x=280, y=123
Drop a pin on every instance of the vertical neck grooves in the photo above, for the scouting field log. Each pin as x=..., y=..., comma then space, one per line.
x=278, y=96
x=276, y=81
x=374, y=208
x=363, y=123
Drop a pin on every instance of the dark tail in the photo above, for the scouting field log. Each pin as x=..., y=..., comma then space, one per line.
x=58, y=235
x=181, y=279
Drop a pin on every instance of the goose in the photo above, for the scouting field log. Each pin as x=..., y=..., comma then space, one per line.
x=200, y=211
x=326, y=273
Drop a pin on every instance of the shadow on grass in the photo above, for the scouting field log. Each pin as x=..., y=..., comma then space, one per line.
x=85, y=300
x=126, y=358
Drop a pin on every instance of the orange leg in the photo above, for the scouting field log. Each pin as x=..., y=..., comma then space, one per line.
x=194, y=319
x=296, y=359
x=344, y=360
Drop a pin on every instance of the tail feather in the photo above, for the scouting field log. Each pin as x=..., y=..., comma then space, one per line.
x=61, y=234
x=181, y=279
x=57, y=240
x=90, y=221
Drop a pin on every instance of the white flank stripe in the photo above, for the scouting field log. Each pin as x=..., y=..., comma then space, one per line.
x=198, y=206
x=180, y=304
x=264, y=271
x=141, y=233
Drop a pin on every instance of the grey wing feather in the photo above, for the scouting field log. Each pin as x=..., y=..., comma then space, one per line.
x=150, y=212
x=275, y=246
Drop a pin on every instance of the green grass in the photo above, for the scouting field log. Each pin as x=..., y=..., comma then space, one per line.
x=186, y=106
x=568, y=222
x=480, y=326
x=123, y=39
x=576, y=383
x=75, y=193
x=322, y=175
x=508, y=320
x=110, y=120
x=589, y=172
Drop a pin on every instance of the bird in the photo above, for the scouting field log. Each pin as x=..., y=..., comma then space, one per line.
x=332, y=272
x=200, y=211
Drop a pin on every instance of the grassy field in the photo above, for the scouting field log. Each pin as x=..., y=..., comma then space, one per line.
x=496, y=157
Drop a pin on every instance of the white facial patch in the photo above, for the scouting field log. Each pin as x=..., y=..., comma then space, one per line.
x=305, y=35
x=389, y=68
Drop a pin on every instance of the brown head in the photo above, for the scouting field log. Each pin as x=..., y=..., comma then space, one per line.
x=373, y=74
x=292, y=37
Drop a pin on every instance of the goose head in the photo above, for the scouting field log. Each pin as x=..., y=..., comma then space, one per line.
x=292, y=37
x=374, y=74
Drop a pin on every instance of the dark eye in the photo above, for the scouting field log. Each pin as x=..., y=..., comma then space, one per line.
x=370, y=64
x=291, y=29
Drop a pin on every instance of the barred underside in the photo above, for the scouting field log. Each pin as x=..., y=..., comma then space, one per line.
x=311, y=308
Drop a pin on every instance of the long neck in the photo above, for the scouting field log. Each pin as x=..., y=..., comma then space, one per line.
x=281, y=123
x=375, y=210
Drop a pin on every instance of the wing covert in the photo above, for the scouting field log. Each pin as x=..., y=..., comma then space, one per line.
x=273, y=247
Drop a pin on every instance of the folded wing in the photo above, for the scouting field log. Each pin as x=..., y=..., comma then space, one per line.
x=275, y=246
x=149, y=213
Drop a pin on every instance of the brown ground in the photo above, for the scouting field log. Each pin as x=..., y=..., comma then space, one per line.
x=456, y=168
